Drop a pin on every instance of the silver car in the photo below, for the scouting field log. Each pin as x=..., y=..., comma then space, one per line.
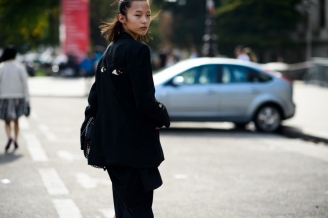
x=227, y=90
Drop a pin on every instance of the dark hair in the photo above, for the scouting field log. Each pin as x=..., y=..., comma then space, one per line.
x=250, y=53
x=239, y=47
x=111, y=29
x=8, y=53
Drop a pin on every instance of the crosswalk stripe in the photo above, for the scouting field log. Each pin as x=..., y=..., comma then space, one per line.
x=66, y=208
x=107, y=213
x=52, y=181
x=45, y=130
x=35, y=148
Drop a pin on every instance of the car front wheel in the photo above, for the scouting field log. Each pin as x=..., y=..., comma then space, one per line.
x=267, y=119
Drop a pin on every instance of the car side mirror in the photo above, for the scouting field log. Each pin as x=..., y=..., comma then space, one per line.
x=178, y=81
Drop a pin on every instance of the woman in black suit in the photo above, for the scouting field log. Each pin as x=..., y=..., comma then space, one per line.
x=125, y=140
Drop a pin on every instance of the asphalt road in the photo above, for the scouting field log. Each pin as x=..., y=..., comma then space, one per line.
x=210, y=171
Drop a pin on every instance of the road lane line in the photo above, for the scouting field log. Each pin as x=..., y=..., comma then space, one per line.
x=180, y=176
x=52, y=182
x=45, y=130
x=107, y=213
x=66, y=155
x=66, y=208
x=89, y=182
x=35, y=148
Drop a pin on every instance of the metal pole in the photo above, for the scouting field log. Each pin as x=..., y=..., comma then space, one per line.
x=209, y=47
x=309, y=36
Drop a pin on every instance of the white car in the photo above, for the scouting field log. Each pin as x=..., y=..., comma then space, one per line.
x=227, y=90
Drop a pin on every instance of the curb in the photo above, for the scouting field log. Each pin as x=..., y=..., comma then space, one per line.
x=293, y=132
x=58, y=96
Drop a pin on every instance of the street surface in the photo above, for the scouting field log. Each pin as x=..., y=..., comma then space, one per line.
x=311, y=118
x=210, y=171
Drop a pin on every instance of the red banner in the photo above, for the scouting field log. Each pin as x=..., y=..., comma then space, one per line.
x=74, y=29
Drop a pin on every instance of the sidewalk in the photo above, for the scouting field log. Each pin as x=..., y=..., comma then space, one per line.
x=59, y=87
x=310, y=120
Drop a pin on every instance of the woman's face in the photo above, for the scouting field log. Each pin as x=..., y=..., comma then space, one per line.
x=137, y=19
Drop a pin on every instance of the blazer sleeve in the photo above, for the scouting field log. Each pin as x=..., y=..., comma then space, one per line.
x=144, y=90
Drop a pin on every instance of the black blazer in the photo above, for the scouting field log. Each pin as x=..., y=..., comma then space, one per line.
x=122, y=100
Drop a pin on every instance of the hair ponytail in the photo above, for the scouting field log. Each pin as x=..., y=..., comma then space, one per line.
x=112, y=28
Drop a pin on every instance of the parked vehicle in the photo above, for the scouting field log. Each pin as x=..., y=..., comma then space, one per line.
x=30, y=61
x=65, y=66
x=227, y=90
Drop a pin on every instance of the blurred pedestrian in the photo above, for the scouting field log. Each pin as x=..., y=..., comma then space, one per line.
x=14, y=95
x=251, y=54
x=125, y=140
x=87, y=67
x=240, y=54
x=193, y=54
x=162, y=57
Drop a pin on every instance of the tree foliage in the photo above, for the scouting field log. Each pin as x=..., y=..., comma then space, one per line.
x=188, y=23
x=29, y=22
x=260, y=24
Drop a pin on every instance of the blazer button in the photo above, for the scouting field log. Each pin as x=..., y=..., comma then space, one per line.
x=103, y=69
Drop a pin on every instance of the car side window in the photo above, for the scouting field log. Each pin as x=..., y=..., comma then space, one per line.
x=240, y=74
x=190, y=76
x=201, y=75
x=208, y=74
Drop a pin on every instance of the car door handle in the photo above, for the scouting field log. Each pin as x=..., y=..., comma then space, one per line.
x=255, y=91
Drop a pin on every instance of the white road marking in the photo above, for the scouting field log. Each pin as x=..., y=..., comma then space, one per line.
x=65, y=155
x=45, y=130
x=107, y=213
x=70, y=157
x=23, y=123
x=66, y=208
x=180, y=176
x=62, y=129
x=88, y=182
x=52, y=182
x=35, y=148
x=5, y=181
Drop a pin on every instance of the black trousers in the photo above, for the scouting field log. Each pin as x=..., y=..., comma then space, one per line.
x=133, y=190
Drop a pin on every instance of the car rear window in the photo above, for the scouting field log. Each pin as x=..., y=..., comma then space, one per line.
x=241, y=74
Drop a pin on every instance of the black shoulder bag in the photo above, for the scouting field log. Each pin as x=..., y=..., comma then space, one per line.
x=86, y=136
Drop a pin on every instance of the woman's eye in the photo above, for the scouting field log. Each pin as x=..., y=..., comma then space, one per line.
x=137, y=15
x=148, y=15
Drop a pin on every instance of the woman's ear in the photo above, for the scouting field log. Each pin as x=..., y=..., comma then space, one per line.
x=121, y=18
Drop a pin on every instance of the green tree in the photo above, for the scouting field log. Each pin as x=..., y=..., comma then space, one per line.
x=260, y=24
x=188, y=26
x=100, y=11
x=29, y=23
